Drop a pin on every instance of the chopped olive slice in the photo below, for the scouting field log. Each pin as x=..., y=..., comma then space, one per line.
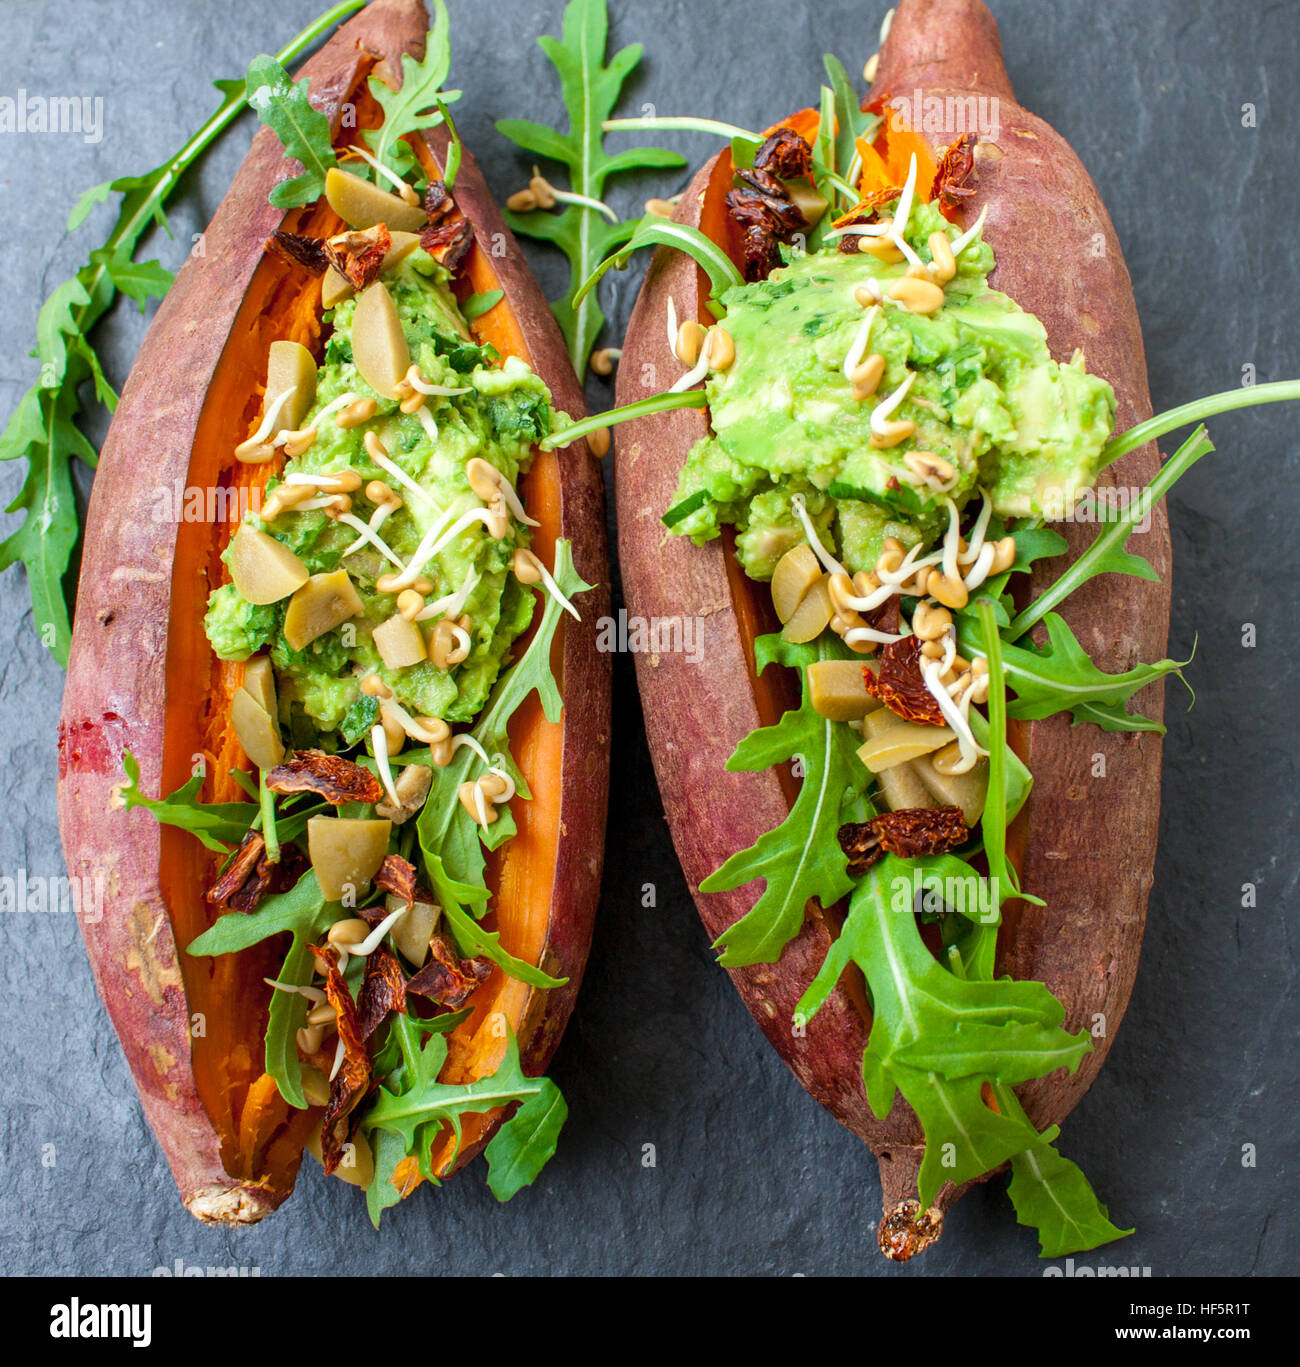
x=796, y=572
x=378, y=343
x=346, y=853
x=256, y=730
x=264, y=569
x=361, y=205
x=324, y=602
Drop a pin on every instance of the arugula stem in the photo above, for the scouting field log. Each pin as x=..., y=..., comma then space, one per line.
x=643, y=408
x=1277, y=391
x=129, y=227
x=1114, y=536
x=266, y=801
x=680, y=124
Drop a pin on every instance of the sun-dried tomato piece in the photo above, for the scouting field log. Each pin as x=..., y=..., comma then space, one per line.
x=353, y=1076
x=359, y=255
x=956, y=166
x=777, y=214
x=899, y=684
x=299, y=250
x=331, y=777
x=785, y=154
x=397, y=875
x=447, y=979
x=447, y=242
x=866, y=210
x=761, y=253
x=383, y=991
x=908, y=833
x=914, y=831
x=240, y=869
x=437, y=201
x=762, y=181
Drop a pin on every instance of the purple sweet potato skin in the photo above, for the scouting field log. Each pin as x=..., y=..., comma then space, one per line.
x=1086, y=845
x=117, y=685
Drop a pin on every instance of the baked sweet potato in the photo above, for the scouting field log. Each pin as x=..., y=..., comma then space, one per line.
x=143, y=678
x=1088, y=856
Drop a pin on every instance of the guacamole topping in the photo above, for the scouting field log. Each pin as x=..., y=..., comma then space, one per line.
x=491, y=410
x=982, y=391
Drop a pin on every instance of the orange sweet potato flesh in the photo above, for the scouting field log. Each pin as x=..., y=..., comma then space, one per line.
x=1090, y=860
x=143, y=677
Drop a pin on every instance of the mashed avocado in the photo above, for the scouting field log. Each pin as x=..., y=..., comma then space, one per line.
x=503, y=411
x=987, y=397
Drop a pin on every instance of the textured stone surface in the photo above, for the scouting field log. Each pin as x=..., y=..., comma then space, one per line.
x=748, y=1175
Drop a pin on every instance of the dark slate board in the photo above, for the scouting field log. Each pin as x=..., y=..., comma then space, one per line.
x=749, y=1176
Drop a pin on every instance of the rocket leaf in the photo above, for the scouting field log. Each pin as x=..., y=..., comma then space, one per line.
x=282, y=104
x=801, y=858
x=415, y=105
x=921, y=1041
x=591, y=89
x=43, y=431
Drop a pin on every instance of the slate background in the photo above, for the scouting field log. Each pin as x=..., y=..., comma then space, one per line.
x=751, y=1177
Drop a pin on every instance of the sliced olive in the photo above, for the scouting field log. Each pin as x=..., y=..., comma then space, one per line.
x=412, y=932
x=315, y=1087
x=378, y=342
x=901, y=788
x=259, y=680
x=361, y=205
x=837, y=691
x=346, y=853
x=399, y=642
x=358, y=1165
x=324, y=602
x=967, y=791
x=807, y=200
x=796, y=572
x=336, y=288
x=256, y=730
x=290, y=366
x=891, y=741
x=264, y=569
x=811, y=616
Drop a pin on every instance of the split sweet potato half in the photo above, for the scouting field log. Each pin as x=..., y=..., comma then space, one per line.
x=143, y=678
x=1090, y=861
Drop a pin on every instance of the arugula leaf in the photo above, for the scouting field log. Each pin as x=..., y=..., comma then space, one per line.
x=413, y=1105
x=1052, y=1196
x=591, y=89
x=43, y=429
x=801, y=859
x=282, y=104
x=1061, y=677
x=218, y=825
x=479, y=304
x=451, y=841
x=993, y=823
x=521, y=1148
x=415, y=104
x=642, y=408
x=916, y=1001
x=138, y=280
x=304, y=912
x=851, y=121
x=663, y=232
x=1107, y=554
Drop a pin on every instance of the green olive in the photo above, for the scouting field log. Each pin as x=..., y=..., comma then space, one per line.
x=378, y=343
x=256, y=730
x=264, y=569
x=324, y=602
x=361, y=205
x=346, y=853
